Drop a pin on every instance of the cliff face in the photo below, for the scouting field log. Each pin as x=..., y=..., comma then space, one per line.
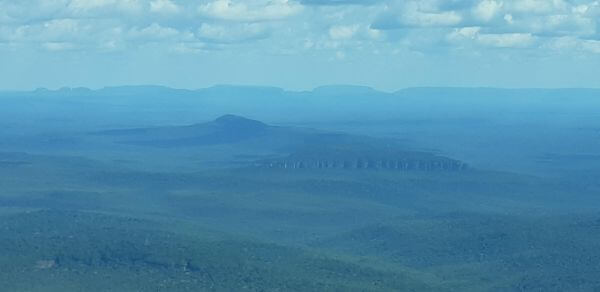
x=368, y=159
x=306, y=148
x=391, y=164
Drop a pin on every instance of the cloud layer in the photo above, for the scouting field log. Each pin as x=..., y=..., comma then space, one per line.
x=344, y=31
x=335, y=25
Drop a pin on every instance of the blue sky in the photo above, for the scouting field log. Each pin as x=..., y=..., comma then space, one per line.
x=386, y=44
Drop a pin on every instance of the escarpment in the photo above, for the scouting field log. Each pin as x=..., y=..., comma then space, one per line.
x=339, y=158
x=295, y=148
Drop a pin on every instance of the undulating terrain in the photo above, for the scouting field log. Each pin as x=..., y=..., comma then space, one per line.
x=336, y=189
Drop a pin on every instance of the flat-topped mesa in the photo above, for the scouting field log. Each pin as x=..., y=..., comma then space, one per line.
x=239, y=123
x=389, y=160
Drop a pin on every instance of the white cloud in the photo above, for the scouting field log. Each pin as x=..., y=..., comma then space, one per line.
x=341, y=32
x=156, y=32
x=56, y=30
x=427, y=19
x=448, y=18
x=58, y=46
x=374, y=34
x=506, y=40
x=502, y=40
x=552, y=25
x=434, y=25
x=592, y=46
x=412, y=14
x=89, y=6
x=250, y=11
x=163, y=6
x=234, y=33
x=486, y=10
x=84, y=5
x=62, y=26
x=464, y=33
x=539, y=6
x=580, y=9
x=569, y=44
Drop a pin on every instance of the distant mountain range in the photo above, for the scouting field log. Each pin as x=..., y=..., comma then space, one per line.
x=321, y=90
x=156, y=104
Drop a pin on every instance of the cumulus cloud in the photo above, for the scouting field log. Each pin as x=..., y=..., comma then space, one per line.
x=507, y=40
x=58, y=46
x=538, y=17
x=591, y=46
x=341, y=32
x=464, y=33
x=56, y=30
x=87, y=7
x=118, y=24
x=237, y=33
x=498, y=40
x=332, y=25
x=156, y=32
x=569, y=44
x=163, y=6
x=250, y=11
x=416, y=14
x=548, y=25
x=539, y=6
x=486, y=10
x=447, y=18
x=340, y=2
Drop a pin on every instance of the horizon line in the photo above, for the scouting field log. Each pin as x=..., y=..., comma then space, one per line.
x=62, y=88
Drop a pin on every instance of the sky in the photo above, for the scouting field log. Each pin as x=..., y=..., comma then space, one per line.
x=299, y=44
